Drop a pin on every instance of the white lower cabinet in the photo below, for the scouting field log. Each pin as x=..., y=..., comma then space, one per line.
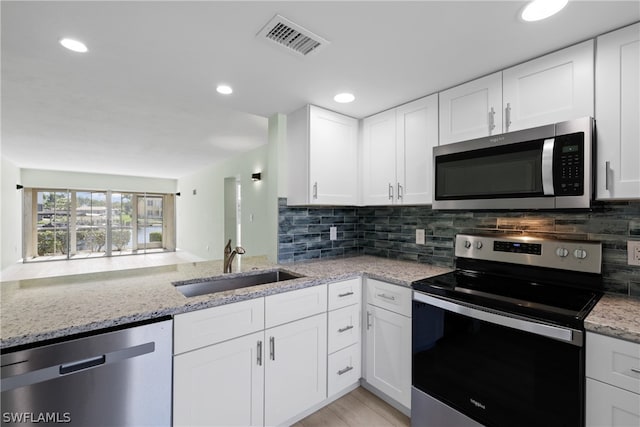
x=613, y=382
x=220, y=385
x=388, y=340
x=295, y=368
x=344, y=336
x=343, y=369
x=228, y=370
x=609, y=406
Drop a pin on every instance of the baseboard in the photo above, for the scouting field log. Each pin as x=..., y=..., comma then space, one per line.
x=400, y=407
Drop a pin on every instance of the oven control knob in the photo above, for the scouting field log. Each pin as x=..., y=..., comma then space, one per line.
x=562, y=252
x=467, y=244
x=479, y=245
x=580, y=253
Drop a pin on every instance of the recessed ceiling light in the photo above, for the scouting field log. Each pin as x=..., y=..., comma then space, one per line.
x=344, y=98
x=74, y=45
x=541, y=9
x=224, y=89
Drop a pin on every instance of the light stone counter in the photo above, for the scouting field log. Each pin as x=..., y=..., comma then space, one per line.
x=616, y=316
x=49, y=308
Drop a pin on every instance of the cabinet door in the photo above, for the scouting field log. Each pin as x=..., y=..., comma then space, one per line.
x=416, y=135
x=379, y=158
x=296, y=368
x=388, y=353
x=618, y=114
x=471, y=110
x=333, y=158
x=549, y=89
x=220, y=385
x=610, y=406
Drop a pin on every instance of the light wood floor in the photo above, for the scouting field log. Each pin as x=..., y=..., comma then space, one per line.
x=358, y=408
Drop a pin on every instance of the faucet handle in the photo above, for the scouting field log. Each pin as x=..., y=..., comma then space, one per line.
x=240, y=250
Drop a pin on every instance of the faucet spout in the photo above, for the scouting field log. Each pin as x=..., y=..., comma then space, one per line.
x=229, y=255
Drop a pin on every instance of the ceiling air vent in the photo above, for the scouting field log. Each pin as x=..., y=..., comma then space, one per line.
x=292, y=36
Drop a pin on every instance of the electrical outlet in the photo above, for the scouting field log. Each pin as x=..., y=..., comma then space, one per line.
x=420, y=239
x=633, y=252
x=333, y=233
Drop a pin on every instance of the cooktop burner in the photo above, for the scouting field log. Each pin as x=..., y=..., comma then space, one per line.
x=550, y=280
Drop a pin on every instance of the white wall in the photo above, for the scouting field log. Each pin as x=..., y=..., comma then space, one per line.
x=10, y=214
x=48, y=179
x=200, y=216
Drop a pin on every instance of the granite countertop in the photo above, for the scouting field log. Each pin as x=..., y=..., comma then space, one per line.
x=616, y=316
x=41, y=309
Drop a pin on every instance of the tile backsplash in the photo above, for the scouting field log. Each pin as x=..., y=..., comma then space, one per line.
x=389, y=231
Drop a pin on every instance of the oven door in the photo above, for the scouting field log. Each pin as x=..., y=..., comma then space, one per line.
x=496, y=370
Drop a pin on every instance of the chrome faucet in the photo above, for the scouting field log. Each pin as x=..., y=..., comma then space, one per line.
x=229, y=254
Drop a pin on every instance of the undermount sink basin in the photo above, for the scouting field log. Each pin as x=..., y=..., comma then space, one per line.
x=192, y=288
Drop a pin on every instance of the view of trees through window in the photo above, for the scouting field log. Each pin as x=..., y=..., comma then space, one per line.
x=70, y=224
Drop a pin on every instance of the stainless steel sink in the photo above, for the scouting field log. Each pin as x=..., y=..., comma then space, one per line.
x=192, y=288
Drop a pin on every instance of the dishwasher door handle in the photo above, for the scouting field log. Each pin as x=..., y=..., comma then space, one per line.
x=52, y=372
x=79, y=365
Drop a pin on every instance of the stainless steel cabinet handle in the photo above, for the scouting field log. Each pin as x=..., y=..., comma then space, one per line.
x=637, y=371
x=272, y=348
x=368, y=320
x=259, y=353
x=385, y=296
x=315, y=190
x=400, y=191
x=507, y=116
x=390, y=191
x=607, y=170
x=345, y=370
x=345, y=329
x=492, y=120
x=346, y=294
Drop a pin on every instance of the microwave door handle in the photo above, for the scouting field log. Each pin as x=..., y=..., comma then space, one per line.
x=547, y=166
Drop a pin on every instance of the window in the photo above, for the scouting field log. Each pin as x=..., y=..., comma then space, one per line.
x=72, y=224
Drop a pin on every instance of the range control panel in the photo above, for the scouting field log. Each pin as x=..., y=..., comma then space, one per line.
x=576, y=255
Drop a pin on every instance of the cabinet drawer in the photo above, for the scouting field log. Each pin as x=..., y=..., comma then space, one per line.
x=290, y=306
x=344, y=369
x=212, y=325
x=611, y=406
x=344, y=327
x=345, y=293
x=613, y=361
x=391, y=297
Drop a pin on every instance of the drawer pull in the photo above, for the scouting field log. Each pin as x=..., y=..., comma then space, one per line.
x=345, y=370
x=385, y=296
x=346, y=294
x=369, y=320
x=637, y=371
x=345, y=329
x=259, y=351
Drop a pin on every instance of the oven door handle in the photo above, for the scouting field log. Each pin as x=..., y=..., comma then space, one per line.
x=571, y=336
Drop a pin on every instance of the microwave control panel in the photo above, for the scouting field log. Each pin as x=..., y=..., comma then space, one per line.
x=568, y=174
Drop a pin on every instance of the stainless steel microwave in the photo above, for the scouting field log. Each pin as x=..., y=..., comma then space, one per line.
x=547, y=167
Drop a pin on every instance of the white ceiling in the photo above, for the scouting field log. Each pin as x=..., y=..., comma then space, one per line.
x=142, y=101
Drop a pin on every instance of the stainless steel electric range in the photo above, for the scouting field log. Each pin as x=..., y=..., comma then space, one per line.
x=500, y=340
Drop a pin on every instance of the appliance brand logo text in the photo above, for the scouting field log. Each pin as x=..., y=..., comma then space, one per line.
x=477, y=404
x=497, y=139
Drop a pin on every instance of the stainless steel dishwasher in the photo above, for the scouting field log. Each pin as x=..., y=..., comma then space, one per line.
x=118, y=378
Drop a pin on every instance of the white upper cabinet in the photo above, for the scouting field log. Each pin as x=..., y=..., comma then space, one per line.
x=416, y=135
x=471, y=110
x=618, y=114
x=549, y=89
x=322, y=157
x=379, y=158
x=397, y=153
